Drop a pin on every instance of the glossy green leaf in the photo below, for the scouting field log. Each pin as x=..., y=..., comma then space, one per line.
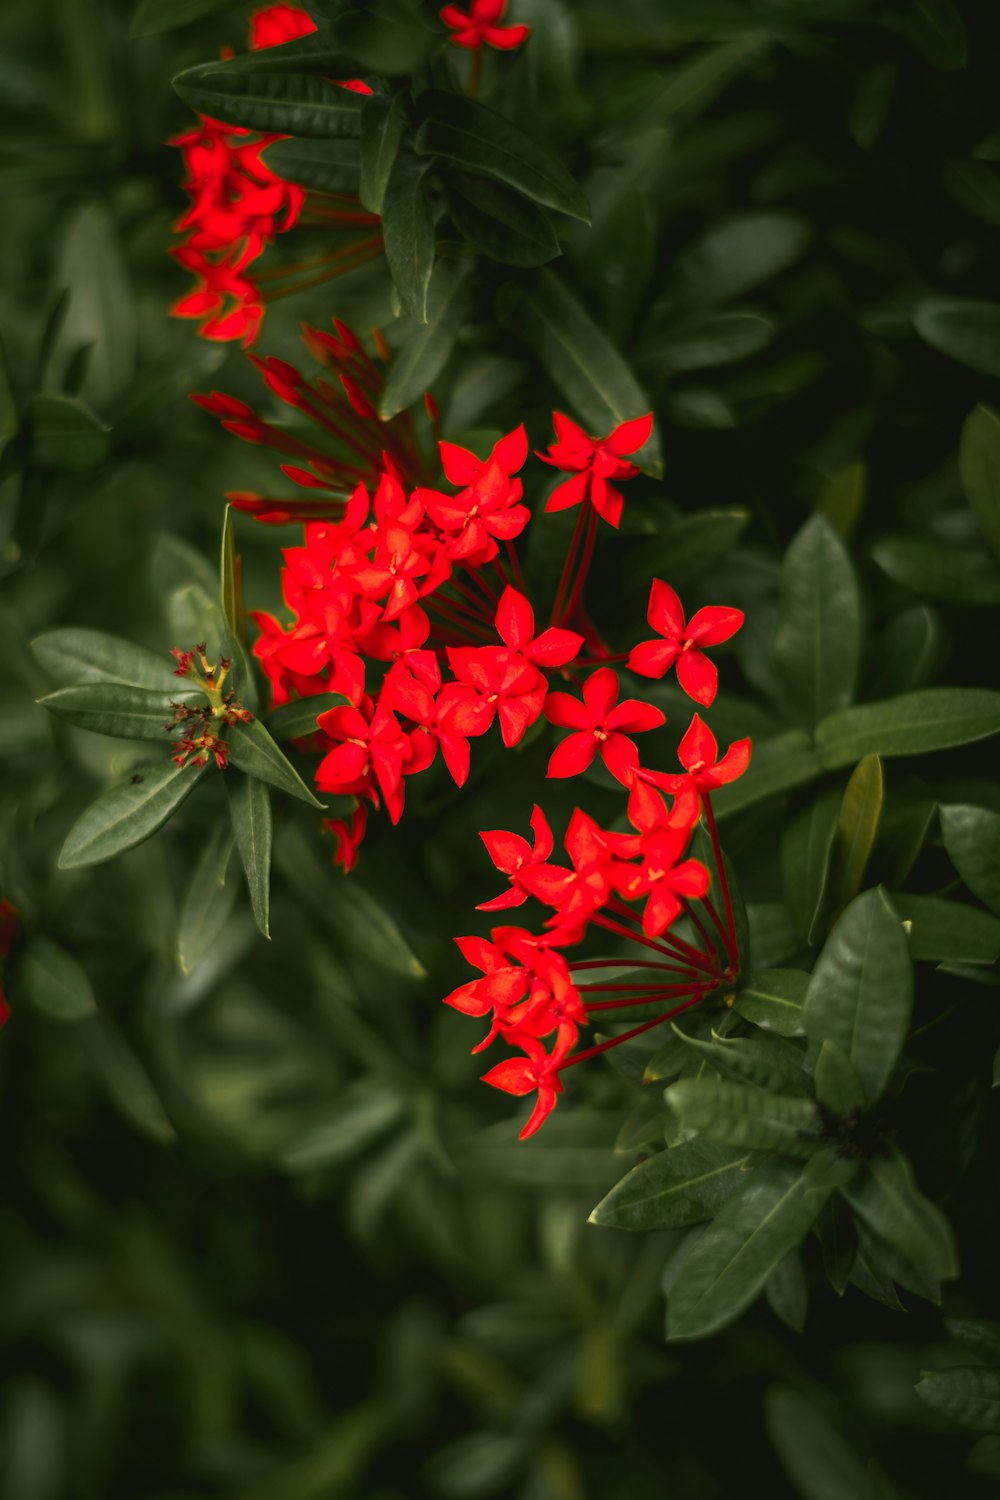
x=949, y=931
x=817, y=1459
x=857, y=828
x=907, y=653
x=715, y=338
x=481, y=141
x=408, y=231
x=774, y=999
x=861, y=992
x=421, y=358
x=250, y=815
x=737, y=254
x=763, y=1061
x=739, y=1251
x=972, y=839
x=126, y=814
x=837, y=1083
x=777, y=765
x=499, y=221
x=886, y=1198
x=259, y=97
x=807, y=845
x=382, y=124
x=675, y=1188
x=100, y=313
x=968, y=1394
x=74, y=656
x=251, y=749
x=583, y=364
x=745, y=1117
x=958, y=573
x=208, y=900
x=63, y=433
x=787, y=1291
x=965, y=329
x=367, y=929
x=329, y=165
x=911, y=724
x=111, y=708
x=53, y=981
x=295, y=720
x=818, y=640
x=228, y=584
x=979, y=464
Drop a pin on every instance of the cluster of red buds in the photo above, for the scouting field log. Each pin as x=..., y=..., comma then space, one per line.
x=200, y=743
x=239, y=207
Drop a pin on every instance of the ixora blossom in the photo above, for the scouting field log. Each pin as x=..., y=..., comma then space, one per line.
x=481, y=25
x=594, y=462
x=239, y=206
x=683, y=643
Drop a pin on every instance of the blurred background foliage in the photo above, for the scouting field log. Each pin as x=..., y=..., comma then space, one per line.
x=265, y=1234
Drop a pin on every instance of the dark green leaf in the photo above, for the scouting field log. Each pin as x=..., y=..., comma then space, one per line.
x=861, y=992
x=500, y=222
x=250, y=814
x=813, y=1454
x=368, y=930
x=806, y=851
x=75, y=656
x=408, y=229
x=292, y=721
x=478, y=139
x=964, y=329
x=390, y=37
x=748, y=1239
x=788, y=760
x=329, y=166
x=818, y=639
x=207, y=901
x=10, y=421
x=53, y=981
x=949, y=931
x=252, y=750
x=886, y=1198
x=978, y=1334
x=127, y=814
x=100, y=313
x=837, y=1083
x=763, y=1061
x=111, y=708
x=63, y=433
x=738, y=253
x=969, y=1395
x=958, y=573
x=870, y=105
x=382, y=123
x=745, y=1117
x=698, y=343
x=674, y=1188
x=683, y=549
x=911, y=724
x=908, y=652
x=972, y=839
x=228, y=589
x=152, y=16
x=426, y=351
x=787, y=1291
x=979, y=463
x=260, y=97
x=774, y=999
x=843, y=499
x=857, y=828
x=348, y=1127
x=935, y=28
x=125, y=1078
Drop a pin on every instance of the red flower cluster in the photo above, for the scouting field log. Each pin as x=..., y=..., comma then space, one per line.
x=480, y=25
x=238, y=205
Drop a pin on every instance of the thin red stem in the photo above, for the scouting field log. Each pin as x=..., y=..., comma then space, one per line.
x=627, y=1036
x=638, y=937
x=731, y=944
x=568, y=565
x=584, y=568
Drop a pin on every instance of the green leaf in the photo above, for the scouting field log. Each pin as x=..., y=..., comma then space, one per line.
x=843, y=499
x=674, y=1188
x=972, y=839
x=152, y=16
x=75, y=656
x=738, y=253
x=382, y=124
x=870, y=106
x=207, y=901
x=293, y=721
x=408, y=230
x=857, y=828
x=111, y=708
x=682, y=549
x=250, y=814
x=935, y=28
x=907, y=653
x=53, y=981
x=259, y=97
x=389, y=37
x=417, y=363
x=787, y=1291
x=861, y=992
x=127, y=814
x=957, y=572
x=584, y=365
x=910, y=724
x=714, y=338
x=968, y=1394
x=500, y=222
x=886, y=1198
x=745, y=1117
x=763, y=1061
x=100, y=313
x=63, y=433
x=778, y=764
x=837, y=1083
x=979, y=465
x=817, y=1460
x=806, y=851
x=949, y=931
x=348, y=1127
x=978, y=1334
x=818, y=640
x=966, y=330
x=481, y=141
x=125, y=1078
x=739, y=1251
x=774, y=999
x=328, y=166
x=228, y=585
x=368, y=930
x=251, y=749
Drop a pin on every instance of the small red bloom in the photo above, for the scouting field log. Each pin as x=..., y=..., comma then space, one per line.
x=481, y=24
x=682, y=643
x=594, y=462
x=279, y=23
x=698, y=753
x=348, y=836
x=600, y=725
x=539, y=1070
x=516, y=627
x=496, y=684
x=377, y=749
x=513, y=854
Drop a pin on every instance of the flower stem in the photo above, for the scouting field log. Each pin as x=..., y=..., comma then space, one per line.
x=627, y=1036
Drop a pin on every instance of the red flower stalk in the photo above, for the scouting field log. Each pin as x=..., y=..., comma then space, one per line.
x=480, y=26
x=682, y=643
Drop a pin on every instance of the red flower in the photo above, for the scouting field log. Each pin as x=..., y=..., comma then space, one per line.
x=599, y=725
x=480, y=23
x=698, y=753
x=594, y=461
x=413, y=695
x=486, y=509
x=496, y=683
x=667, y=879
x=682, y=642
x=378, y=750
x=537, y=1070
x=279, y=23
x=515, y=624
x=597, y=871
x=348, y=836
x=513, y=854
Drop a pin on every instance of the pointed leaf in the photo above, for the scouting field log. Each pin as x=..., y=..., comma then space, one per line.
x=328, y=166
x=837, y=1083
x=787, y=1291
x=127, y=814
x=738, y=253
x=500, y=222
x=965, y=329
x=886, y=1199
x=979, y=464
x=674, y=1188
x=857, y=828
x=260, y=97
x=293, y=721
x=745, y=1117
x=806, y=852
x=382, y=123
x=949, y=931
x=818, y=640
x=968, y=1394
x=910, y=724
x=778, y=764
x=408, y=230
x=250, y=814
x=814, y=1455
x=253, y=750
x=111, y=708
x=419, y=361
x=63, y=433
x=972, y=839
x=774, y=999
x=76, y=656
x=53, y=981
x=207, y=901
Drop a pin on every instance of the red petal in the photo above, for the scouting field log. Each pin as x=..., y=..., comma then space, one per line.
x=714, y=624
x=460, y=466
x=515, y=620
x=600, y=693
x=606, y=500
x=652, y=658
x=511, y=451
x=698, y=676
x=630, y=436
x=666, y=612
x=573, y=755
x=569, y=433
x=543, y=1108
x=698, y=747
x=621, y=756
x=506, y=850
x=690, y=879
x=455, y=750
x=662, y=908
x=572, y=492
x=543, y=834
x=506, y=37
x=515, y=1076
x=635, y=716
x=555, y=647
x=733, y=763
x=566, y=712
x=515, y=717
